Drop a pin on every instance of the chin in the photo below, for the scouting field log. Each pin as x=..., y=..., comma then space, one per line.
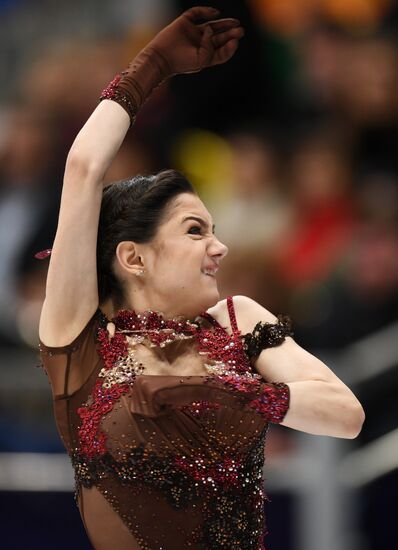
x=199, y=301
x=211, y=299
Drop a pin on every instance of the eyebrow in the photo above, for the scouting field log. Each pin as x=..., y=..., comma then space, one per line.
x=200, y=220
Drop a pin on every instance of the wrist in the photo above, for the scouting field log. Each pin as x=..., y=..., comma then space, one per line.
x=160, y=59
x=148, y=70
x=133, y=86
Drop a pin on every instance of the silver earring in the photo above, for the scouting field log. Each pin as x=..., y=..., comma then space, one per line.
x=141, y=272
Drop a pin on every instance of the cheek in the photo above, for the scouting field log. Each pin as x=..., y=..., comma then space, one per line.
x=179, y=257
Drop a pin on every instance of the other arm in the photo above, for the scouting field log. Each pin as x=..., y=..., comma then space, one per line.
x=320, y=403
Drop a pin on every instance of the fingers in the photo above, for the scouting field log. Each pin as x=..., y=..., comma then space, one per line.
x=225, y=52
x=220, y=39
x=201, y=12
x=222, y=24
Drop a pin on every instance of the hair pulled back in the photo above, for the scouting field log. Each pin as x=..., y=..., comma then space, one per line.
x=132, y=210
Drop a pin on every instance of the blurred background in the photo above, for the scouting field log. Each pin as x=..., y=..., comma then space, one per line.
x=293, y=147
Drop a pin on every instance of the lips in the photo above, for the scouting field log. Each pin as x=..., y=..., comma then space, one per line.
x=210, y=270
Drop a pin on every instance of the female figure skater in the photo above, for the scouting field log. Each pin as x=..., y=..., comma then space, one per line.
x=163, y=393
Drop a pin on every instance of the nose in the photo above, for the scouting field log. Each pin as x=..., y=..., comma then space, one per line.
x=218, y=249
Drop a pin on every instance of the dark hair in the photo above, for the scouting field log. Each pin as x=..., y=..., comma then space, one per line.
x=132, y=210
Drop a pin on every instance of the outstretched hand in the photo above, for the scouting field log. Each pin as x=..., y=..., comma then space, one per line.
x=189, y=47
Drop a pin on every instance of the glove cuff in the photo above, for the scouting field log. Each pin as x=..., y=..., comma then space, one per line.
x=133, y=86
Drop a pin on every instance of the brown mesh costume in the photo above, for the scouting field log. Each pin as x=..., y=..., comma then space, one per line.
x=181, y=466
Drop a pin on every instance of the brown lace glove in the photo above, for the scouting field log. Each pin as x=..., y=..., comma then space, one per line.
x=184, y=46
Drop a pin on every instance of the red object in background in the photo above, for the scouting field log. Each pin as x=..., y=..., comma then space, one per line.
x=317, y=243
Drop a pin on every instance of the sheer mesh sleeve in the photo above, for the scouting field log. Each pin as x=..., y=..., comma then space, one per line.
x=68, y=367
x=266, y=335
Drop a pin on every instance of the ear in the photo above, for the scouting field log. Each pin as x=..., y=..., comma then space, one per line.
x=128, y=257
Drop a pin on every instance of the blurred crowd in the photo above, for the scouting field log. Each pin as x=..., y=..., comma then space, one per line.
x=292, y=145
x=305, y=197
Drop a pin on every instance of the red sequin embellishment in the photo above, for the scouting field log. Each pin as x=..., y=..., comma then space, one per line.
x=220, y=346
x=224, y=474
x=110, y=91
x=92, y=440
x=43, y=254
x=111, y=349
x=270, y=399
x=155, y=327
x=273, y=401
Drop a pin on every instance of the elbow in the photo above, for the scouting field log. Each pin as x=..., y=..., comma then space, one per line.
x=357, y=421
x=80, y=168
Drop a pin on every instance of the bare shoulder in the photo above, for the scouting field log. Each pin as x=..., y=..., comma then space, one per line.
x=248, y=313
x=220, y=312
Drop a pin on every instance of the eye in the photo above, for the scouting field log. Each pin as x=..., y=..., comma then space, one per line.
x=194, y=228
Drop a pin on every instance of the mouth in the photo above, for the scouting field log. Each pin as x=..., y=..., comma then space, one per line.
x=209, y=273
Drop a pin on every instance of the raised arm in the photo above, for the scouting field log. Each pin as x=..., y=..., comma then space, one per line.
x=192, y=42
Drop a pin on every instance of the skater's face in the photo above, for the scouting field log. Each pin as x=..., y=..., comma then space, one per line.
x=180, y=263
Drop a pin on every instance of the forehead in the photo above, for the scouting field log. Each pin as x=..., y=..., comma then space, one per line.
x=185, y=204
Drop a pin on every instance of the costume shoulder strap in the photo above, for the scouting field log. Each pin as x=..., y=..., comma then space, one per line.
x=232, y=316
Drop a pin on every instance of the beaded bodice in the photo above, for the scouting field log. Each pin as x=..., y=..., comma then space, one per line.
x=190, y=442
